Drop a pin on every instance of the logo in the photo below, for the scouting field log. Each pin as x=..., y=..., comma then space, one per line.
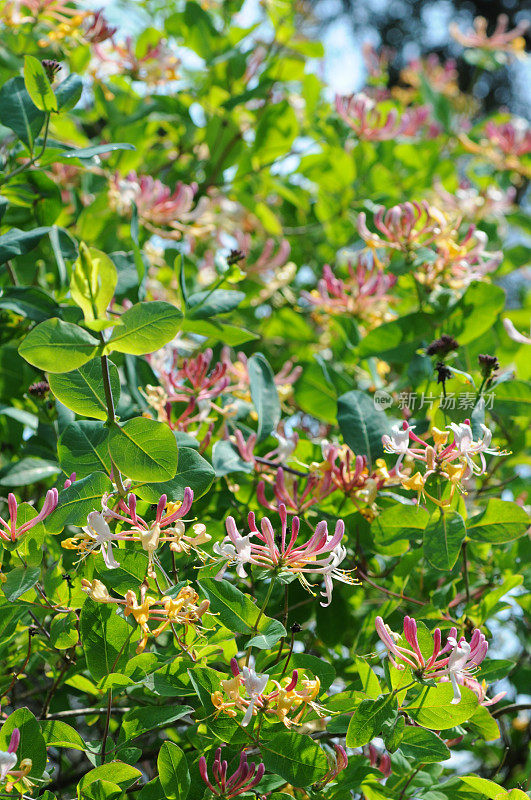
x=382, y=399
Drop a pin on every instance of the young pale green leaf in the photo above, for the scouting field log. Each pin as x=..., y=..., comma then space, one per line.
x=443, y=538
x=82, y=390
x=92, y=284
x=145, y=327
x=423, y=746
x=485, y=787
x=38, y=85
x=57, y=346
x=192, y=470
x=368, y=719
x=483, y=722
x=123, y=775
x=77, y=501
x=501, y=521
x=68, y=92
x=264, y=395
x=32, y=744
x=82, y=448
x=19, y=113
x=144, y=450
x=173, y=772
x=295, y=757
x=433, y=708
x=362, y=424
x=105, y=638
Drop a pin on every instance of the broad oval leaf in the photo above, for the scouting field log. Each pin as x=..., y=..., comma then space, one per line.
x=264, y=395
x=443, y=538
x=105, y=637
x=295, y=757
x=19, y=113
x=82, y=448
x=38, y=85
x=362, y=424
x=145, y=327
x=144, y=449
x=423, y=746
x=82, y=497
x=173, y=771
x=82, y=390
x=433, y=707
x=192, y=470
x=57, y=346
x=501, y=521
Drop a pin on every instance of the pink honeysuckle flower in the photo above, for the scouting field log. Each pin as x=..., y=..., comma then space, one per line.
x=245, y=778
x=192, y=382
x=382, y=761
x=286, y=490
x=479, y=689
x=463, y=656
x=500, y=39
x=515, y=335
x=12, y=532
x=268, y=261
x=280, y=454
x=156, y=204
x=474, y=203
x=512, y=138
x=402, y=226
x=98, y=29
x=70, y=480
x=238, y=371
x=364, y=293
x=361, y=113
x=321, y=554
x=337, y=762
x=8, y=759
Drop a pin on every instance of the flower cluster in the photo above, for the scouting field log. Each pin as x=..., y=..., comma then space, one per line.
x=364, y=293
x=454, y=662
x=373, y=124
x=501, y=39
x=166, y=528
x=454, y=461
x=320, y=555
x=246, y=777
x=351, y=475
x=286, y=491
x=186, y=609
x=11, y=531
x=246, y=691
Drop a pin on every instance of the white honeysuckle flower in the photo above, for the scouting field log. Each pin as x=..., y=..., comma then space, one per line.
x=254, y=683
x=98, y=530
x=397, y=442
x=7, y=762
x=515, y=335
x=457, y=664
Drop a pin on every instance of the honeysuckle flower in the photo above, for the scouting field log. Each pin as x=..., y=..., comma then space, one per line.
x=351, y=475
x=156, y=66
x=504, y=145
x=10, y=532
x=337, y=762
x=185, y=609
x=320, y=555
x=368, y=122
x=452, y=662
x=246, y=691
x=515, y=335
x=502, y=38
x=97, y=29
x=8, y=758
x=442, y=76
x=453, y=462
x=364, y=293
x=246, y=777
x=402, y=226
x=382, y=761
x=158, y=207
x=286, y=490
x=96, y=536
x=268, y=262
x=474, y=203
x=238, y=372
x=479, y=689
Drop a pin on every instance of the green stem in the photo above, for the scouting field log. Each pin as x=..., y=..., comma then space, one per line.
x=259, y=617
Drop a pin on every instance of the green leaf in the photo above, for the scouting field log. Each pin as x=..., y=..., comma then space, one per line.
x=226, y=459
x=76, y=502
x=58, y=734
x=96, y=150
x=105, y=638
x=485, y=787
x=16, y=242
x=423, y=746
x=92, y=284
x=82, y=448
x=123, y=775
x=63, y=631
x=295, y=757
x=145, y=327
x=192, y=470
x=38, y=85
x=202, y=305
x=68, y=92
x=19, y=581
x=82, y=390
x=362, y=424
x=28, y=301
x=57, y=346
x=501, y=521
x=271, y=631
x=476, y=312
x=173, y=772
x=513, y=398
x=19, y=113
x=399, y=522
x=483, y=723
x=433, y=707
x=397, y=341
x=27, y=471
x=443, y=538
x=32, y=744
x=141, y=720
x=368, y=719
x=264, y=395
x=218, y=331
x=144, y=449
